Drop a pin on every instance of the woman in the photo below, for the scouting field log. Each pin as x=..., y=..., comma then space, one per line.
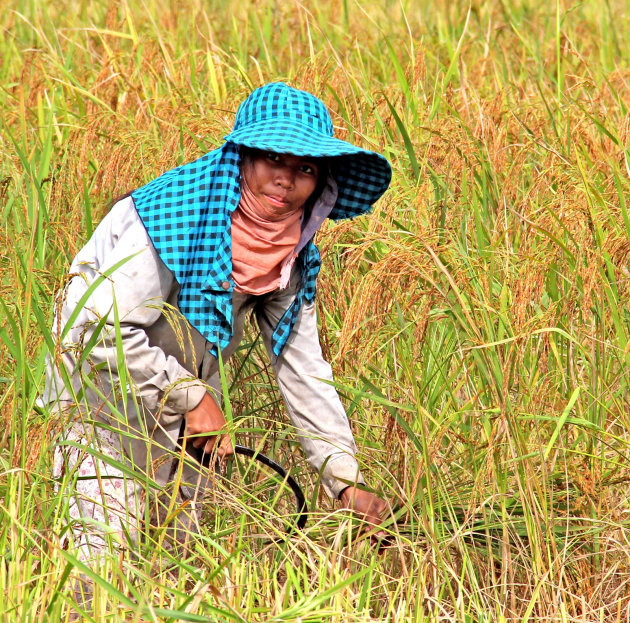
x=164, y=285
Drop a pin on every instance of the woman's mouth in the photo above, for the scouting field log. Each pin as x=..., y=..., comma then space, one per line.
x=279, y=202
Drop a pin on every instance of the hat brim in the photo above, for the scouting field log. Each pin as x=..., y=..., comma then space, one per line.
x=285, y=137
x=362, y=176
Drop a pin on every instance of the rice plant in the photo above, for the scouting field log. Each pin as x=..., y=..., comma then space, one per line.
x=477, y=321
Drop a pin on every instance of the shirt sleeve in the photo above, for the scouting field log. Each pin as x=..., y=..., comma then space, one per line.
x=305, y=381
x=129, y=286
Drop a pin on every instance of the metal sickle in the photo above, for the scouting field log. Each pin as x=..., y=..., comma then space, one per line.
x=301, y=507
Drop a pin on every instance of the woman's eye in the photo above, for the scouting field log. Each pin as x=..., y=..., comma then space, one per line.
x=308, y=169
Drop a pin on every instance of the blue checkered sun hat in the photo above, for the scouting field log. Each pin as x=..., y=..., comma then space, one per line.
x=187, y=211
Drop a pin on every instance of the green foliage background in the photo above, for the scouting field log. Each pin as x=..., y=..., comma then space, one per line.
x=477, y=321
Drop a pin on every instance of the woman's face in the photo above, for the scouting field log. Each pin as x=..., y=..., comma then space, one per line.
x=281, y=182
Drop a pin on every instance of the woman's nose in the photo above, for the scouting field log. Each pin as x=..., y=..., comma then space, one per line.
x=285, y=177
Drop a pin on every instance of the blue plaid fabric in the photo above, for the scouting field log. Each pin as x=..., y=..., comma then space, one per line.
x=187, y=211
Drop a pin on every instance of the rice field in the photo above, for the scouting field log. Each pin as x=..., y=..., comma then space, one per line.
x=477, y=321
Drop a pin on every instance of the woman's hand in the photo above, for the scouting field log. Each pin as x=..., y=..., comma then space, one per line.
x=206, y=418
x=367, y=506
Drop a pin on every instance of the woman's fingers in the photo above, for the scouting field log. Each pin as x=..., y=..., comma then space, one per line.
x=204, y=424
x=208, y=441
x=224, y=448
x=369, y=507
x=202, y=442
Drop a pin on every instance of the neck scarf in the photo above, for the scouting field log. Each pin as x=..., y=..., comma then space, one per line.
x=261, y=239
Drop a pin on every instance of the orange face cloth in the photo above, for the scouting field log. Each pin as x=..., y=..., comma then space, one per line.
x=262, y=238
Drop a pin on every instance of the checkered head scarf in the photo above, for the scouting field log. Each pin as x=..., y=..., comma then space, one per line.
x=187, y=210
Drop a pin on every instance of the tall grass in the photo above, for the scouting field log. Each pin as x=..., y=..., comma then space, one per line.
x=477, y=321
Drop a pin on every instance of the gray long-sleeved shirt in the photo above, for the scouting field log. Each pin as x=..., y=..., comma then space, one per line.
x=163, y=352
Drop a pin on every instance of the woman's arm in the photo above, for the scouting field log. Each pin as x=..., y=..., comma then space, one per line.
x=124, y=307
x=312, y=403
